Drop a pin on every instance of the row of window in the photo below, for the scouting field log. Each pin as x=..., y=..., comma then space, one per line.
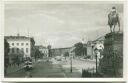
x=45, y=51
x=17, y=50
x=19, y=44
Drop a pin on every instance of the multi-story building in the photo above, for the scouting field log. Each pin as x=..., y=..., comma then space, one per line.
x=20, y=46
x=43, y=50
x=60, y=51
x=72, y=51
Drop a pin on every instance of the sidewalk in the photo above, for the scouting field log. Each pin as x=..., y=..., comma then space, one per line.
x=14, y=68
x=88, y=60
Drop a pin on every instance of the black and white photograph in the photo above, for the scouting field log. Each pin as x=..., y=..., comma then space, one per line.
x=63, y=39
x=66, y=82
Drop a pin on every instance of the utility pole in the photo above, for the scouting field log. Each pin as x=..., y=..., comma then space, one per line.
x=96, y=63
x=71, y=64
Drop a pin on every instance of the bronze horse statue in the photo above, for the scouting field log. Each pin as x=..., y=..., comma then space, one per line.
x=113, y=20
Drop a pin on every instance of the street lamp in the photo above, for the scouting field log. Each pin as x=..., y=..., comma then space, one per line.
x=96, y=52
x=71, y=53
x=71, y=63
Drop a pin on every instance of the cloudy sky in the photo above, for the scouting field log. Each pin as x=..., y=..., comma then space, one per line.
x=60, y=24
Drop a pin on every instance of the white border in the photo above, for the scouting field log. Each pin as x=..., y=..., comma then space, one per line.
x=2, y=38
x=125, y=57
x=64, y=79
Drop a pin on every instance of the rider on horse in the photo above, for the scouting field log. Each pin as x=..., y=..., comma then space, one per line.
x=113, y=19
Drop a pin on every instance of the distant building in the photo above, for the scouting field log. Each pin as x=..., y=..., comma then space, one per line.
x=90, y=49
x=60, y=51
x=72, y=51
x=43, y=50
x=20, y=46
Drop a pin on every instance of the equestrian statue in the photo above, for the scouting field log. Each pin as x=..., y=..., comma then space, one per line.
x=113, y=19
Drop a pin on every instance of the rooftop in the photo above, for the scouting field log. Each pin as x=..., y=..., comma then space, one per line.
x=40, y=46
x=20, y=37
x=16, y=37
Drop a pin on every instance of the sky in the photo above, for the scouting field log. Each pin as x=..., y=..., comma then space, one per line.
x=60, y=24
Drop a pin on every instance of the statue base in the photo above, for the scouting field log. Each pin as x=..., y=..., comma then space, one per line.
x=111, y=64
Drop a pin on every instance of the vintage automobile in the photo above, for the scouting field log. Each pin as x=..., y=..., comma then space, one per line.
x=58, y=58
x=28, y=65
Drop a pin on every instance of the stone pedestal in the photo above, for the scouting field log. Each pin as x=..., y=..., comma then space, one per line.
x=111, y=64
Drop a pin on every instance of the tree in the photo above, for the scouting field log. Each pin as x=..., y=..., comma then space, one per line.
x=66, y=54
x=49, y=50
x=80, y=49
x=37, y=54
x=6, y=56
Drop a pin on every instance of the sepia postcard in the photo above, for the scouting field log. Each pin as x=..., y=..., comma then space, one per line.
x=63, y=40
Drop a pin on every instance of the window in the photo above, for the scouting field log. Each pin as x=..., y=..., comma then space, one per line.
x=26, y=43
x=26, y=50
x=22, y=44
x=12, y=50
x=17, y=44
x=12, y=44
x=17, y=50
x=22, y=49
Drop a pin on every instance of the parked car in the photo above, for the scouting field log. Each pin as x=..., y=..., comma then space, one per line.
x=58, y=58
x=39, y=60
x=28, y=65
x=87, y=57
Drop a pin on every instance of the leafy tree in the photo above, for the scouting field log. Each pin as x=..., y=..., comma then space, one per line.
x=6, y=56
x=49, y=50
x=49, y=47
x=80, y=49
x=66, y=54
x=37, y=54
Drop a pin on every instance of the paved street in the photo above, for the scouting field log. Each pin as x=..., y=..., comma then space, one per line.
x=46, y=69
x=80, y=64
x=55, y=68
x=41, y=69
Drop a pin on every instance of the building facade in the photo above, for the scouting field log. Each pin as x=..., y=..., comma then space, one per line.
x=90, y=46
x=20, y=46
x=60, y=51
x=43, y=50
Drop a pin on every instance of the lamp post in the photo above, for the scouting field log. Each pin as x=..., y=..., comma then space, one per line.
x=71, y=63
x=96, y=60
x=96, y=63
x=71, y=53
